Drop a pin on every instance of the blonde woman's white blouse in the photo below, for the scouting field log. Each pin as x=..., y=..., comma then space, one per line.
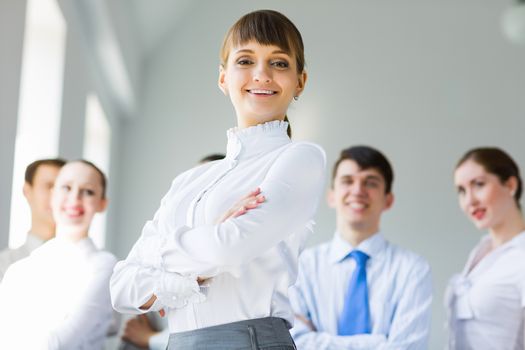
x=57, y=298
x=252, y=259
x=487, y=305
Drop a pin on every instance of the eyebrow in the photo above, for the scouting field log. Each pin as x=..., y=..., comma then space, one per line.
x=251, y=51
x=368, y=177
x=477, y=178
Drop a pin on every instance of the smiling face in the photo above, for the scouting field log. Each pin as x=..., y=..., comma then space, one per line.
x=261, y=81
x=77, y=197
x=358, y=196
x=482, y=196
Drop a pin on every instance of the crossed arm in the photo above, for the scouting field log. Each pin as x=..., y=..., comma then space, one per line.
x=409, y=327
x=292, y=186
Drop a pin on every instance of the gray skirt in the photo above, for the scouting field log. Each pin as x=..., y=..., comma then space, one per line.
x=269, y=333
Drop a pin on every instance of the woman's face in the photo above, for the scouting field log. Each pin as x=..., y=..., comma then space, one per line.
x=482, y=196
x=261, y=81
x=77, y=197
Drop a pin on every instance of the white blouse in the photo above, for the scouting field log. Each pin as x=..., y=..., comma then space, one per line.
x=486, y=305
x=252, y=258
x=57, y=298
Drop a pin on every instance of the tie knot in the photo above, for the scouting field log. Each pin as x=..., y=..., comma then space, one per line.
x=359, y=257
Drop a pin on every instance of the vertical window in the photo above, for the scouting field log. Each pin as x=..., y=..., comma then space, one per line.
x=97, y=142
x=40, y=101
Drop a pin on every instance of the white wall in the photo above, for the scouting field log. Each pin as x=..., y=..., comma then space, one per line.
x=12, y=20
x=422, y=81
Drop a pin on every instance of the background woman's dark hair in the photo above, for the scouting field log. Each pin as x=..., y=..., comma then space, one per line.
x=498, y=162
x=266, y=27
x=103, y=180
x=367, y=158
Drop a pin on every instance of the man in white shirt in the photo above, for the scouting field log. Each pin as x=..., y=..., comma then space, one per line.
x=39, y=180
x=359, y=291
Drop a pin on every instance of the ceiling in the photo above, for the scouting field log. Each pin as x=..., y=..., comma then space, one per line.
x=154, y=23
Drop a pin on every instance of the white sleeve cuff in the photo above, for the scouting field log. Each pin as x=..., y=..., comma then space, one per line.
x=175, y=291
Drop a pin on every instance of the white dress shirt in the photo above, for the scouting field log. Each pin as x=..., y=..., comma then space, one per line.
x=9, y=256
x=400, y=296
x=57, y=298
x=252, y=258
x=487, y=304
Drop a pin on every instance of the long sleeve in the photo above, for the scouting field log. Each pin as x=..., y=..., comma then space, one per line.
x=135, y=279
x=291, y=187
x=408, y=329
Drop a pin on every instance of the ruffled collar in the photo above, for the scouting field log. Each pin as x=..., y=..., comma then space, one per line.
x=256, y=140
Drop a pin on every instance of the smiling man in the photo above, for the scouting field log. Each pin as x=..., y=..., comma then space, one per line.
x=359, y=291
x=39, y=180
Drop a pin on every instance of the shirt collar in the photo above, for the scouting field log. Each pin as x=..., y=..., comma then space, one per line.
x=372, y=246
x=519, y=240
x=516, y=242
x=33, y=241
x=256, y=140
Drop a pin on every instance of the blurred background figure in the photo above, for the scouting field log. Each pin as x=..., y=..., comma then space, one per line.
x=486, y=301
x=40, y=177
x=358, y=290
x=58, y=297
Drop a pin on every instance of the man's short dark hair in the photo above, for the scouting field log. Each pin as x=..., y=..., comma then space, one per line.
x=33, y=167
x=367, y=158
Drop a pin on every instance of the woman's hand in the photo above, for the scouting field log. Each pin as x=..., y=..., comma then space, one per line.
x=251, y=201
x=202, y=281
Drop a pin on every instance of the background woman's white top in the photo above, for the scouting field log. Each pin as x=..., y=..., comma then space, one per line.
x=487, y=304
x=253, y=258
x=57, y=298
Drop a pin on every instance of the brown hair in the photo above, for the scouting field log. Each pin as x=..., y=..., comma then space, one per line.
x=103, y=180
x=32, y=168
x=212, y=157
x=266, y=27
x=498, y=162
x=367, y=157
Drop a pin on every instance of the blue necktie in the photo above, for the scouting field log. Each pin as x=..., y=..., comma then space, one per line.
x=355, y=318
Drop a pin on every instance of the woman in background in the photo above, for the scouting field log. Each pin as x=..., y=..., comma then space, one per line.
x=58, y=297
x=487, y=300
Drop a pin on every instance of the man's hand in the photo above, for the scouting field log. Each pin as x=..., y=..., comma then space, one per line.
x=306, y=321
x=138, y=331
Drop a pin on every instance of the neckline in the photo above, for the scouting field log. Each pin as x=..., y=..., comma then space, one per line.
x=256, y=140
